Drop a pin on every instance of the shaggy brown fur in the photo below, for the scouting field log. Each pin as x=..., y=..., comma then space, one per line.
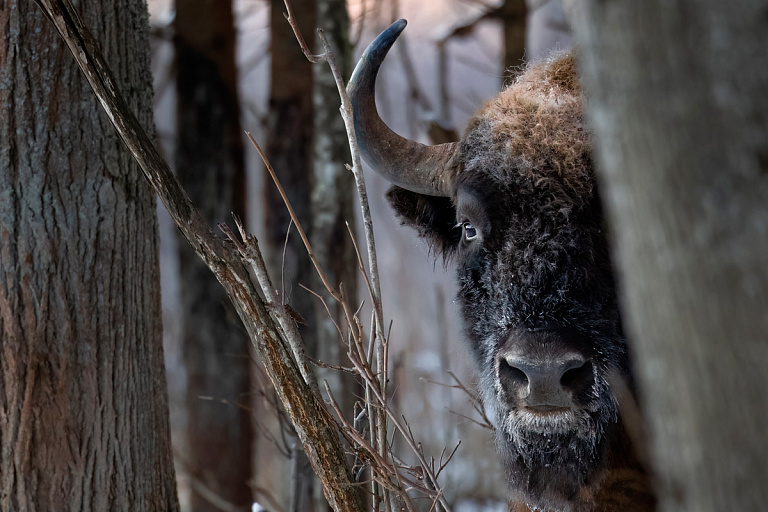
x=538, y=119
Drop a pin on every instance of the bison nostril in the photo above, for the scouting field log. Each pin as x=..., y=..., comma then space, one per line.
x=511, y=378
x=577, y=378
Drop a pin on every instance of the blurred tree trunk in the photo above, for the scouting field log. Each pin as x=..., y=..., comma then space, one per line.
x=290, y=124
x=210, y=166
x=678, y=103
x=333, y=205
x=83, y=399
x=289, y=149
x=513, y=15
x=333, y=197
x=307, y=145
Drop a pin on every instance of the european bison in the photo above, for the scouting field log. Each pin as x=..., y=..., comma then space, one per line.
x=515, y=205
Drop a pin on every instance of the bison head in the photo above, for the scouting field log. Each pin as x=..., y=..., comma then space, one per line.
x=515, y=205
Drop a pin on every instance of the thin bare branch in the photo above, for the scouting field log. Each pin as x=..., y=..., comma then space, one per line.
x=311, y=57
x=346, y=112
x=282, y=264
x=338, y=368
x=382, y=469
x=450, y=457
x=294, y=217
x=401, y=426
x=474, y=399
x=327, y=310
x=472, y=420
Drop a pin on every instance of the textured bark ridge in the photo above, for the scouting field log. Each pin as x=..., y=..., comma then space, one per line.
x=83, y=406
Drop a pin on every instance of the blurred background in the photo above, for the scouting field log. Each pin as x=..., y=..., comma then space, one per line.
x=225, y=66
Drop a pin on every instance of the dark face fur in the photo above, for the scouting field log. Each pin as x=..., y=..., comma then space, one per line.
x=536, y=285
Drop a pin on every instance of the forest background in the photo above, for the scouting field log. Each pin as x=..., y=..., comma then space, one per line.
x=678, y=110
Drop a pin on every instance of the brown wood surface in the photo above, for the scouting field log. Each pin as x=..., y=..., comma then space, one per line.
x=83, y=400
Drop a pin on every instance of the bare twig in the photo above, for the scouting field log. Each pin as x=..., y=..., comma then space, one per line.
x=295, y=219
x=282, y=263
x=311, y=57
x=474, y=399
x=382, y=469
x=401, y=425
x=450, y=457
x=472, y=420
x=338, y=368
x=251, y=254
x=327, y=310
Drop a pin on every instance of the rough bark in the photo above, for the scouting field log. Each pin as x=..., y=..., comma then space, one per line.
x=83, y=405
x=210, y=166
x=679, y=108
x=315, y=427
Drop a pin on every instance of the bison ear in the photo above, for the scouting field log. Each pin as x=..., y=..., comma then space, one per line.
x=433, y=217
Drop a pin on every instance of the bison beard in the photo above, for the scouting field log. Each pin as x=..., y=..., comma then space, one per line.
x=515, y=205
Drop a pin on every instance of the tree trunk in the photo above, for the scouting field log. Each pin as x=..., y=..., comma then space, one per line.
x=333, y=200
x=513, y=16
x=678, y=103
x=289, y=149
x=83, y=404
x=210, y=166
x=333, y=205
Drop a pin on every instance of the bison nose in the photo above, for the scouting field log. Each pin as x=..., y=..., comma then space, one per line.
x=544, y=385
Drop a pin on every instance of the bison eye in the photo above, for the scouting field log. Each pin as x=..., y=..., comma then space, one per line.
x=470, y=233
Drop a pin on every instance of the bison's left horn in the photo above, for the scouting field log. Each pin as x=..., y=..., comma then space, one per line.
x=429, y=170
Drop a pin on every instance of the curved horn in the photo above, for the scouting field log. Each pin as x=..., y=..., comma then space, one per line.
x=429, y=170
